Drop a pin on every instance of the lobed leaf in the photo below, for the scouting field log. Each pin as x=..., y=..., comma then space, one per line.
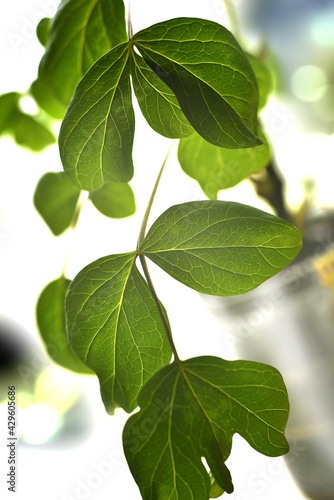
x=219, y=247
x=114, y=200
x=217, y=168
x=55, y=200
x=191, y=410
x=96, y=135
x=210, y=75
x=50, y=316
x=114, y=327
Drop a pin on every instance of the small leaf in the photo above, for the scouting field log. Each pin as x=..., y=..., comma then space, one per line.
x=45, y=100
x=43, y=30
x=215, y=491
x=30, y=133
x=157, y=102
x=264, y=77
x=220, y=247
x=55, y=200
x=114, y=200
x=50, y=315
x=219, y=168
x=115, y=329
x=81, y=32
x=210, y=75
x=96, y=136
x=191, y=410
x=8, y=105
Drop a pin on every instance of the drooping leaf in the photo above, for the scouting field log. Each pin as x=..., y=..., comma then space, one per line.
x=50, y=316
x=215, y=490
x=210, y=75
x=81, y=32
x=217, y=168
x=157, y=102
x=46, y=100
x=55, y=200
x=43, y=30
x=96, y=135
x=264, y=78
x=114, y=200
x=191, y=410
x=30, y=133
x=8, y=105
x=114, y=328
x=220, y=247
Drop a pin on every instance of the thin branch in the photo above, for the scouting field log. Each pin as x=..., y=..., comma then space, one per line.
x=232, y=17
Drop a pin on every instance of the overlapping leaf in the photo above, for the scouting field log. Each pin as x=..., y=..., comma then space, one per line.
x=264, y=79
x=50, y=315
x=210, y=75
x=219, y=168
x=157, y=102
x=43, y=30
x=115, y=329
x=81, y=32
x=8, y=105
x=191, y=410
x=96, y=136
x=30, y=133
x=55, y=199
x=114, y=200
x=221, y=248
x=46, y=100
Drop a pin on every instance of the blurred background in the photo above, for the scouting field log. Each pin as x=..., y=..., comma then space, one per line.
x=69, y=448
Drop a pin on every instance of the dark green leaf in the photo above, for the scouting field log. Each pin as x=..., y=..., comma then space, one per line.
x=43, y=30
x=81, y=32
x=220, y=247
x=219, y=168
x=114, y=200
x=115, y=329
x=210, y=75
x=8, y=105
x=30, y=133
x=264, y=78
x=55, y=200
x=191, y=410
x=157, y=102
x=45, y=100
x=96, y=136
x=50, y=315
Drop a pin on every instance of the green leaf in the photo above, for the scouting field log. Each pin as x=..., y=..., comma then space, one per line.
x=157, y=102
x=50, y=315
x=45, y=100
x=210, y=75
x=220, y=247
x=215, y=491
x=81, y=32
x=115, y=329
x=191, y=410
x=264, y=78
x=96, y=136
x=55, y=200
x=43, y=30
x=114, y=200
x=8, y=105
x=219, y=168
x=30, y=133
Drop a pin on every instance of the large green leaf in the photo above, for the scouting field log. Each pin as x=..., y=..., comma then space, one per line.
x=157, y=102
x=55, y=199
x=29, y=132
x=210, y=75
x=220, y=247
x=8, y=105
x=219, y=168
x=96, y=135
x=81, y=32
x=50, y=315
x=191, y=410
x=115, y=329
x=114, y=200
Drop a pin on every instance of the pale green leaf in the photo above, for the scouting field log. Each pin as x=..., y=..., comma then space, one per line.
x=220, y=247
x=114, y=200
x=45, y=100
x=81, y=32
x=29, y=132
x=264, y=77
x=217, y=168
x=96, y=135
x=8, y=105
x=50, y=316
x=157, y=102
x=191, y=410
x=55, y=200
x=210, y=75
x=43, y=30
x=115, y=329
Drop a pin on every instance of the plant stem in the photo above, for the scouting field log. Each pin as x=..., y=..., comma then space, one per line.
x=232, y=17
x=130, y=32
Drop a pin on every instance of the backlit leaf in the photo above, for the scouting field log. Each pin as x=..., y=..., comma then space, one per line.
x=264, y=77
x=8, y=105
x=114, y=200
x=30, y=133
x=43, y=30
x=46, y=100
